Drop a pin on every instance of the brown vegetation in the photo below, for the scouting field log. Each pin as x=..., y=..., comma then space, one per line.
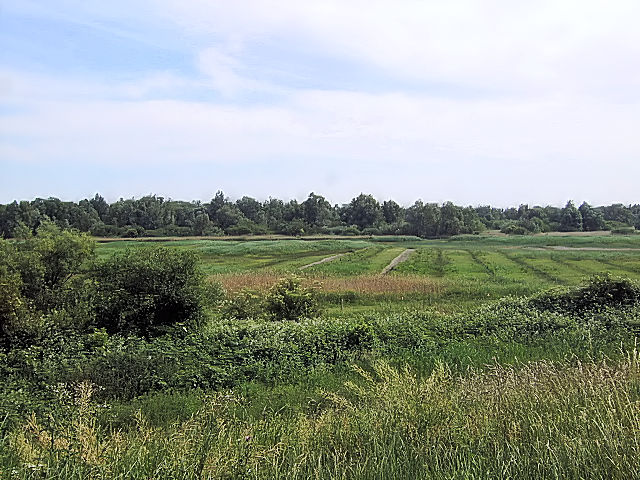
x=371, y=284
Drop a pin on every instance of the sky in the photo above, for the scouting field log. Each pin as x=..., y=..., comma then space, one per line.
x=496, y=102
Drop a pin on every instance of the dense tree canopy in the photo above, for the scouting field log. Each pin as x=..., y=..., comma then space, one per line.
x=153, y=215
x=571, y=219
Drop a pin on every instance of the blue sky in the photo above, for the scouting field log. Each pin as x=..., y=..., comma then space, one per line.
x=500, y=102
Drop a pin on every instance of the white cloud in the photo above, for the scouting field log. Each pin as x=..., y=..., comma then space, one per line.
x=225, y=73
x=397, y=128
x=556, y=108
x=18, y=88
x=516, y=46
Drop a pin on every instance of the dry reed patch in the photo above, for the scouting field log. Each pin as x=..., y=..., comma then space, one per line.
x=235, y=282
x=363, y=284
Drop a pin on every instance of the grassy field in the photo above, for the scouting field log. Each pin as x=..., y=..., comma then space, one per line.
x=477, y=357
x=452, y=274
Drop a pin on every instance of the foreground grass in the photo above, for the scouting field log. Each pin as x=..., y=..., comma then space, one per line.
x=534, y=420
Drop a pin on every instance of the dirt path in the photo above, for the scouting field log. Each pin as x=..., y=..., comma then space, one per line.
x=580, y=249
x=596, y=249
x=399, y=259
x=324, y=260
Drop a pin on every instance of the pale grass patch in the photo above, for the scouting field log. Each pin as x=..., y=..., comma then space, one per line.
x=77, y=437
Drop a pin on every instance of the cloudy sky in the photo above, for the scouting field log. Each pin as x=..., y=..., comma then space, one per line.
x=484, y=101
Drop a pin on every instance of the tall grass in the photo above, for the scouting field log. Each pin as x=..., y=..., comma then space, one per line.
x=534, y=420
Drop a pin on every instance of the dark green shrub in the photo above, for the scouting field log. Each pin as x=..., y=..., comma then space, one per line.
x=147, y=290
x=18, y=320
x=99, y=229
x=514, y=229
x=134, y=232
x=42, y=282
x=601, y=291
x=344, y=230
x=624, y=230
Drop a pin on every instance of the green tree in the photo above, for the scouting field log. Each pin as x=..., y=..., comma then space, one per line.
x=41, y=280
x=423, y=219
x=317, y=211
x=392, y=212
x=470, y=221
x=592, y=220
x=202, y=225
x=217, y=202
x=274, y=213
x=15, y=309
x=618, y=213
x=451, y=219
x=101, y=206
x=47, y=261
x=228, y=216
x=251, y=208
x=363, y=211
x=570, y=218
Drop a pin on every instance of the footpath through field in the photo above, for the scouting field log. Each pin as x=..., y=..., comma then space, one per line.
x=562, y=248
x=399, y=259
x=593, y=249
x=324, y=260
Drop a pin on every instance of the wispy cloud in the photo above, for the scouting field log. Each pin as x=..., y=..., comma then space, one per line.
x=552, y=115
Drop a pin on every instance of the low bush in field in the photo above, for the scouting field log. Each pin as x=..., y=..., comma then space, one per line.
x=290, y=300
x=598, y=293
x=287, y=299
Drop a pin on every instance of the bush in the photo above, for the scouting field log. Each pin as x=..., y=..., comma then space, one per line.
x=134, y=232
x=601, y=291
x=99, y=229
x=513, y=228
x=17, y=318
x=350, y=231
x=289, y=300
x=145, y=291
x=244, y=305
x=371, y=231
x=41, y=281
x=624, y=230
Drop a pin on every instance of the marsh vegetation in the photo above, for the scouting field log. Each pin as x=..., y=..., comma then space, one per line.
x=478, y=356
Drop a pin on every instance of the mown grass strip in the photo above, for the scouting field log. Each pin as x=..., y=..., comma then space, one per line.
x=478, y=261
x=322, y=260
x=570, y=266
x=541, y=274
x=618, y=266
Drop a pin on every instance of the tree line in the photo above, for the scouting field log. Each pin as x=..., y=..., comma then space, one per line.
x=154, y=215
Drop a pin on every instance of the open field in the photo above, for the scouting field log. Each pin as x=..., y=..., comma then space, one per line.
x=454, y=273
x=477, y=357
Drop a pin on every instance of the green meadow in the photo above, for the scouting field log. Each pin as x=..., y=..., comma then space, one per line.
x=463, y=271
x=475, y=357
